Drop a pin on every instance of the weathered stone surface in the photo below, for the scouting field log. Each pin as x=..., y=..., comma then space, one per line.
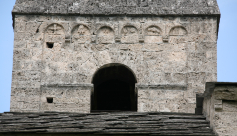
x=169, y=46
x=220, y=105
x=69, y=50
x=73, y=98
x=115, y=7
x=226, y=93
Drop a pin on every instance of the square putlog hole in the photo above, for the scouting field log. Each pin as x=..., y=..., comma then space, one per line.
x=50, y=45
x=49, y=100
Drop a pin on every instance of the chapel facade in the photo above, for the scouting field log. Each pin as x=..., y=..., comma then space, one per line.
x=85, y=56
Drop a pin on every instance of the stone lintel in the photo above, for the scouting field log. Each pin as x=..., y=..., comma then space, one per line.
x=220, y=91
x=210, y=87
x=68, y=85
x=165, y=87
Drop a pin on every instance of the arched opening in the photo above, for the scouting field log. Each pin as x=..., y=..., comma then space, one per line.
x=114, y=89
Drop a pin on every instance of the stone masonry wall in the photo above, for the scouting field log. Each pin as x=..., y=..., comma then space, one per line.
x=171, y=57
x=67, y=98
x=220, y=107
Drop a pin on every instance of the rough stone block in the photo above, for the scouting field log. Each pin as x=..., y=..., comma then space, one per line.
x=20, y=26
x=20, y=36
x=225, y=119
x=35, y=44
x=153, y=47
x=153, y=39
x=31, y=106
x=226, y=93
x=224, y=131
x=230, y=106
x=22, y=54
x=66, y=98
x=25, y=92
x=19, y=44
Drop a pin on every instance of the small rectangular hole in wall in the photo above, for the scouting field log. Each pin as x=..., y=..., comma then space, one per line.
x=50, y=45
x=49, y=100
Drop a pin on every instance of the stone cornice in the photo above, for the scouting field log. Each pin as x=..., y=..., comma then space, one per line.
x=117, y=7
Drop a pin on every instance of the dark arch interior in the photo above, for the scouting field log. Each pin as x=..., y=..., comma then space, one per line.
x=114, y=89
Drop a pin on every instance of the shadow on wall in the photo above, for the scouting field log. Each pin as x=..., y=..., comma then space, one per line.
x=114, y=89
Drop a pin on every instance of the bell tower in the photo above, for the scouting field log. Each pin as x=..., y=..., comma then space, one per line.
x=113, y=55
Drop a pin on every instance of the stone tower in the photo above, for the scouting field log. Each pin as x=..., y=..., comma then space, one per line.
x=113, y=55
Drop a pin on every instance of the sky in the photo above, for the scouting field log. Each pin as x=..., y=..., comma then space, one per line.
x=226, y=47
